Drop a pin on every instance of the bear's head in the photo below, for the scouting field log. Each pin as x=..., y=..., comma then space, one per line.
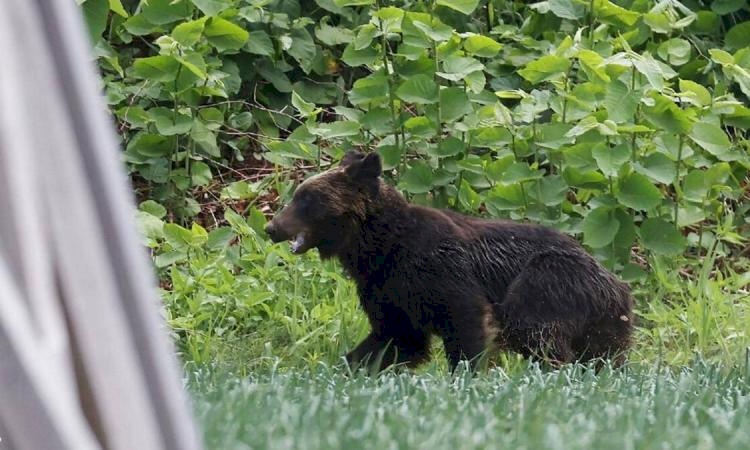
x=327, y=208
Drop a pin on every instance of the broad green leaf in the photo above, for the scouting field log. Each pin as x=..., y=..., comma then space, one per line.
x=610, y=159
x=212, y=7
x=661, y=237
x=417, y=179
x=95, y=13
x=433, y=28
x=711, y=137
x=117, y=8
x=553, y=135
x=518, y=173
x=151, y=145
x=239, y=190
x=567, y=9
x=695, y=186
x=200, y=173
x=303, y=48
x=259, y=43
x=169, y=122
x=305, y=109
x=482, y=46
x=454, y=104
x=505, y=198
x=688, y=215
x=268, y=71
x=390, y=18
x=721, y=57
x=194, y=62
x=675, y=51
x=447, y=147
x=166, y=259
x=545, y=68
x=600, y=227
x=475, y=81
x=136, y=116
x=637, y=192
x=468, y=197
x=658, y=167
x=627, y=233
x=188, y=33
x=738, y=36
x=364, y=36
x=224, y=35
x=420, y=126
x=213, y=117
x=330, y=130
x=587, y=124
x=390, y=155
x=651, y=69
x=420, y=89
x=138, y=25
x=740, y=118
x=220, y=238
x=462, y=6
x=551, y=191
x=204, y=138
x=153, y=208
x=593, y=64
x=723, y=7
x=161, y=12
x=156, y=68
x=697, y=93
x=667, y=116
x=241, y=121
x=333, y=35
x=369, y=90
x=610, y=13
x=659, y=22
x=377, y=120
x=363, y=57
x=456, y=68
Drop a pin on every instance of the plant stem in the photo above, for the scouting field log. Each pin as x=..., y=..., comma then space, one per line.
x=677, y=190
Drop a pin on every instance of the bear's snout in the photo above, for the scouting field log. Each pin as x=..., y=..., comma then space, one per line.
x=274, y=233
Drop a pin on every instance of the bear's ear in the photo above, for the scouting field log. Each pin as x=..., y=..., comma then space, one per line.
x=350, y=157
x=367, y=168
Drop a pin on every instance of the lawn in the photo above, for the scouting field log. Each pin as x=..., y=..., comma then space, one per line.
x=699, y=406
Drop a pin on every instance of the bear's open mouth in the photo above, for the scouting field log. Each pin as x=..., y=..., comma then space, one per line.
x=299, y=244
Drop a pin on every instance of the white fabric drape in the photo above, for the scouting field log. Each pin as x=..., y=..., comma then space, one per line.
x=85, y=362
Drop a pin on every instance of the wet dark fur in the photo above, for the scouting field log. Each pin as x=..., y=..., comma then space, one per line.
x=423, y=272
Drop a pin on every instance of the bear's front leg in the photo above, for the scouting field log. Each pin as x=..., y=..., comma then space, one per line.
x=378, y=352
x=465, y=341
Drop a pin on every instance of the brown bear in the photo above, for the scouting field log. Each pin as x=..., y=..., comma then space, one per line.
x=422, y=271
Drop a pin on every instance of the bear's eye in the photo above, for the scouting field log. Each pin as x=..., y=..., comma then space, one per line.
x=305, y=201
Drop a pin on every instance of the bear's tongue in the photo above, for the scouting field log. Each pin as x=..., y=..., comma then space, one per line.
x=298, y=244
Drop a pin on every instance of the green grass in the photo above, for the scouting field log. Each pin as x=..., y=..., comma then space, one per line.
x=641, y=407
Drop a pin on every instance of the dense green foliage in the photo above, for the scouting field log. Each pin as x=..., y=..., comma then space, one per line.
x=610, y=121
x=649, y=408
